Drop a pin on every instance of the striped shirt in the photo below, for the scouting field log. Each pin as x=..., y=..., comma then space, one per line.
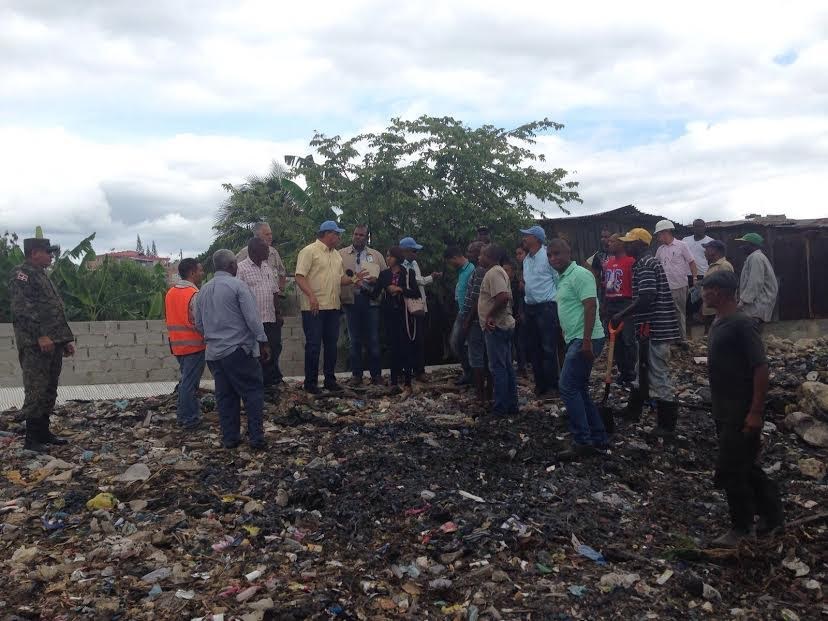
x=263, y=286
x=473, y=290
x=649, y=278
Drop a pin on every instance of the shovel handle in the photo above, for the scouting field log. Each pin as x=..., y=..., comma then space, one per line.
x=611, y=352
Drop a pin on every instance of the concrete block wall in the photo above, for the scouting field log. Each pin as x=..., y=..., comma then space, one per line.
x=118, y=352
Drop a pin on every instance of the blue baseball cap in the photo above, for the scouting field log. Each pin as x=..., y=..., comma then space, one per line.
x=537, y=231
x=408, y=242
x=330, y=225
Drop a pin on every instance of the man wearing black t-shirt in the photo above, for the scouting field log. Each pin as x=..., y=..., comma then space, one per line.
x=739, y=383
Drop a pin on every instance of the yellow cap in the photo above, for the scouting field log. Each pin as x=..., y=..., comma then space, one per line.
x=642, y=235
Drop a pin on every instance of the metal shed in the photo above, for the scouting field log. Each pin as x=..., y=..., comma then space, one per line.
x=798, y=249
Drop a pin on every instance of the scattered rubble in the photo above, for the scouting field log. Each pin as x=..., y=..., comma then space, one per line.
x=374, y=505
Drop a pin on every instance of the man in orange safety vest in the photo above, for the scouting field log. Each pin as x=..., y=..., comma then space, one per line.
x=186, y=343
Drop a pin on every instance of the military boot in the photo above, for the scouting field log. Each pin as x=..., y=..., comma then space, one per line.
x=33, y=440
x=46, y=435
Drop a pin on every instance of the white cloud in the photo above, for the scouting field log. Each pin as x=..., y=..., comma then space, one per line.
x=163, y=189
x=96, y=96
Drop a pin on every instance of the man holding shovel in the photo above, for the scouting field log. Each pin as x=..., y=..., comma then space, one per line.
x=584, y=337
x=656, y=327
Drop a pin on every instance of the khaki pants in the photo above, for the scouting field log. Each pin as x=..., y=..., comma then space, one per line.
x=680, y=301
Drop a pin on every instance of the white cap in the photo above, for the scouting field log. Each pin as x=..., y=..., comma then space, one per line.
x=664, y=225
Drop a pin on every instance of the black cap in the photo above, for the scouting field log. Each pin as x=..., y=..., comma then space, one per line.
x=723, y=279
x=35, y=243
x=717, y=244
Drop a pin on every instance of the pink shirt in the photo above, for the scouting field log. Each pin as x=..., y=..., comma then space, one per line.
x=675, y=259
x=263, y=285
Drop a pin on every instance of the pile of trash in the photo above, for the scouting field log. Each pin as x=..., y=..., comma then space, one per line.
x=375, y=505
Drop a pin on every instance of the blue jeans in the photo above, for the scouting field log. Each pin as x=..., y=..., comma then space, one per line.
x=363, y=330
x=542, y=341
x=458, y=345
x=476, y=346
x=499, y=349
x=584, y=421
x=321, y=330
x=238, y=378
x=192, y=368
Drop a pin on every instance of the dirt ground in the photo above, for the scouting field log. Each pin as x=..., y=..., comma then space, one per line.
x=371, y=505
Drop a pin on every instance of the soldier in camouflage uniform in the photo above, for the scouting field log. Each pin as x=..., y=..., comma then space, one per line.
x=43, y=339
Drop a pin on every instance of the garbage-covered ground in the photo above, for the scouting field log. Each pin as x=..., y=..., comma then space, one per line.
x=371, y=505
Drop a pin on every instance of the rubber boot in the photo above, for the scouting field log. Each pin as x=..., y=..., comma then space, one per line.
x=33, y=440
x=480, y=385
x=635, y=406
x=46, y=435
x=666, y=417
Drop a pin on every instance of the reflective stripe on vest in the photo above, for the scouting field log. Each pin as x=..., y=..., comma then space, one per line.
x=184, y=339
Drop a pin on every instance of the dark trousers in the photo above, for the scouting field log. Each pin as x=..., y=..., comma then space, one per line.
x=363, y=331
x=419, y=346
x=626, y=346
x=271, y=372
x=192, y=368
x=520, y=344
x=41, y=372
x=402, y=349
x=238, y=378
x=542, y=340
x=499, y=350
x=321, y=330
x=748, y=489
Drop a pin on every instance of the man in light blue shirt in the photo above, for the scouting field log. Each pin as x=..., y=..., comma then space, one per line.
x=540, y=311
x=226, y=315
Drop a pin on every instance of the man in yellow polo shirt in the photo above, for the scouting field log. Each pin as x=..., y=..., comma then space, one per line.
x=320, y=276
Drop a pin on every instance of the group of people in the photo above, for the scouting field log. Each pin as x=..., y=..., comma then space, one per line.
x=505, y=306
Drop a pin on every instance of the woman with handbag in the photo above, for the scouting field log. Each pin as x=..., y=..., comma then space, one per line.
x=402, y=306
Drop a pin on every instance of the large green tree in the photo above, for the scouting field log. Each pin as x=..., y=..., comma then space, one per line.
x=434, y=178
x=437, y=179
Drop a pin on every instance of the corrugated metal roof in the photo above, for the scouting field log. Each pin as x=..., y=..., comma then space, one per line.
x=780, y=222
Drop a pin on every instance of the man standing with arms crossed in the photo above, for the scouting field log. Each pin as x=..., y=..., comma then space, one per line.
x=362, y=311
x=43, y=339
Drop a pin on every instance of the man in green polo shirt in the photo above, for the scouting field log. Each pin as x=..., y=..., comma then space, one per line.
x=584, y=338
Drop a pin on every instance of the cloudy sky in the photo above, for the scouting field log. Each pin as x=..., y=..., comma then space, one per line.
x=125, y=117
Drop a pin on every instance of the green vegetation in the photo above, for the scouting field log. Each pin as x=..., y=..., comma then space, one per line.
x=115, y=290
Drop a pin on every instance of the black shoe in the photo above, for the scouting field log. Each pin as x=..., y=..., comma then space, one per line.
x=192, y=426
x=50, y=438
x=766, y=527
x=353, y=382
x=313, y=390
x=462, y=381
x=635, y=406
x=333, y=387
x=230, y=445
x=258, y=446
x=578, y=452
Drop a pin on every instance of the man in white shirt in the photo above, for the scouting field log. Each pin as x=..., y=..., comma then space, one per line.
x=696, y=242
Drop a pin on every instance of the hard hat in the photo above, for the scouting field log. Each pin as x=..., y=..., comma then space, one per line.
x=664, y=225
